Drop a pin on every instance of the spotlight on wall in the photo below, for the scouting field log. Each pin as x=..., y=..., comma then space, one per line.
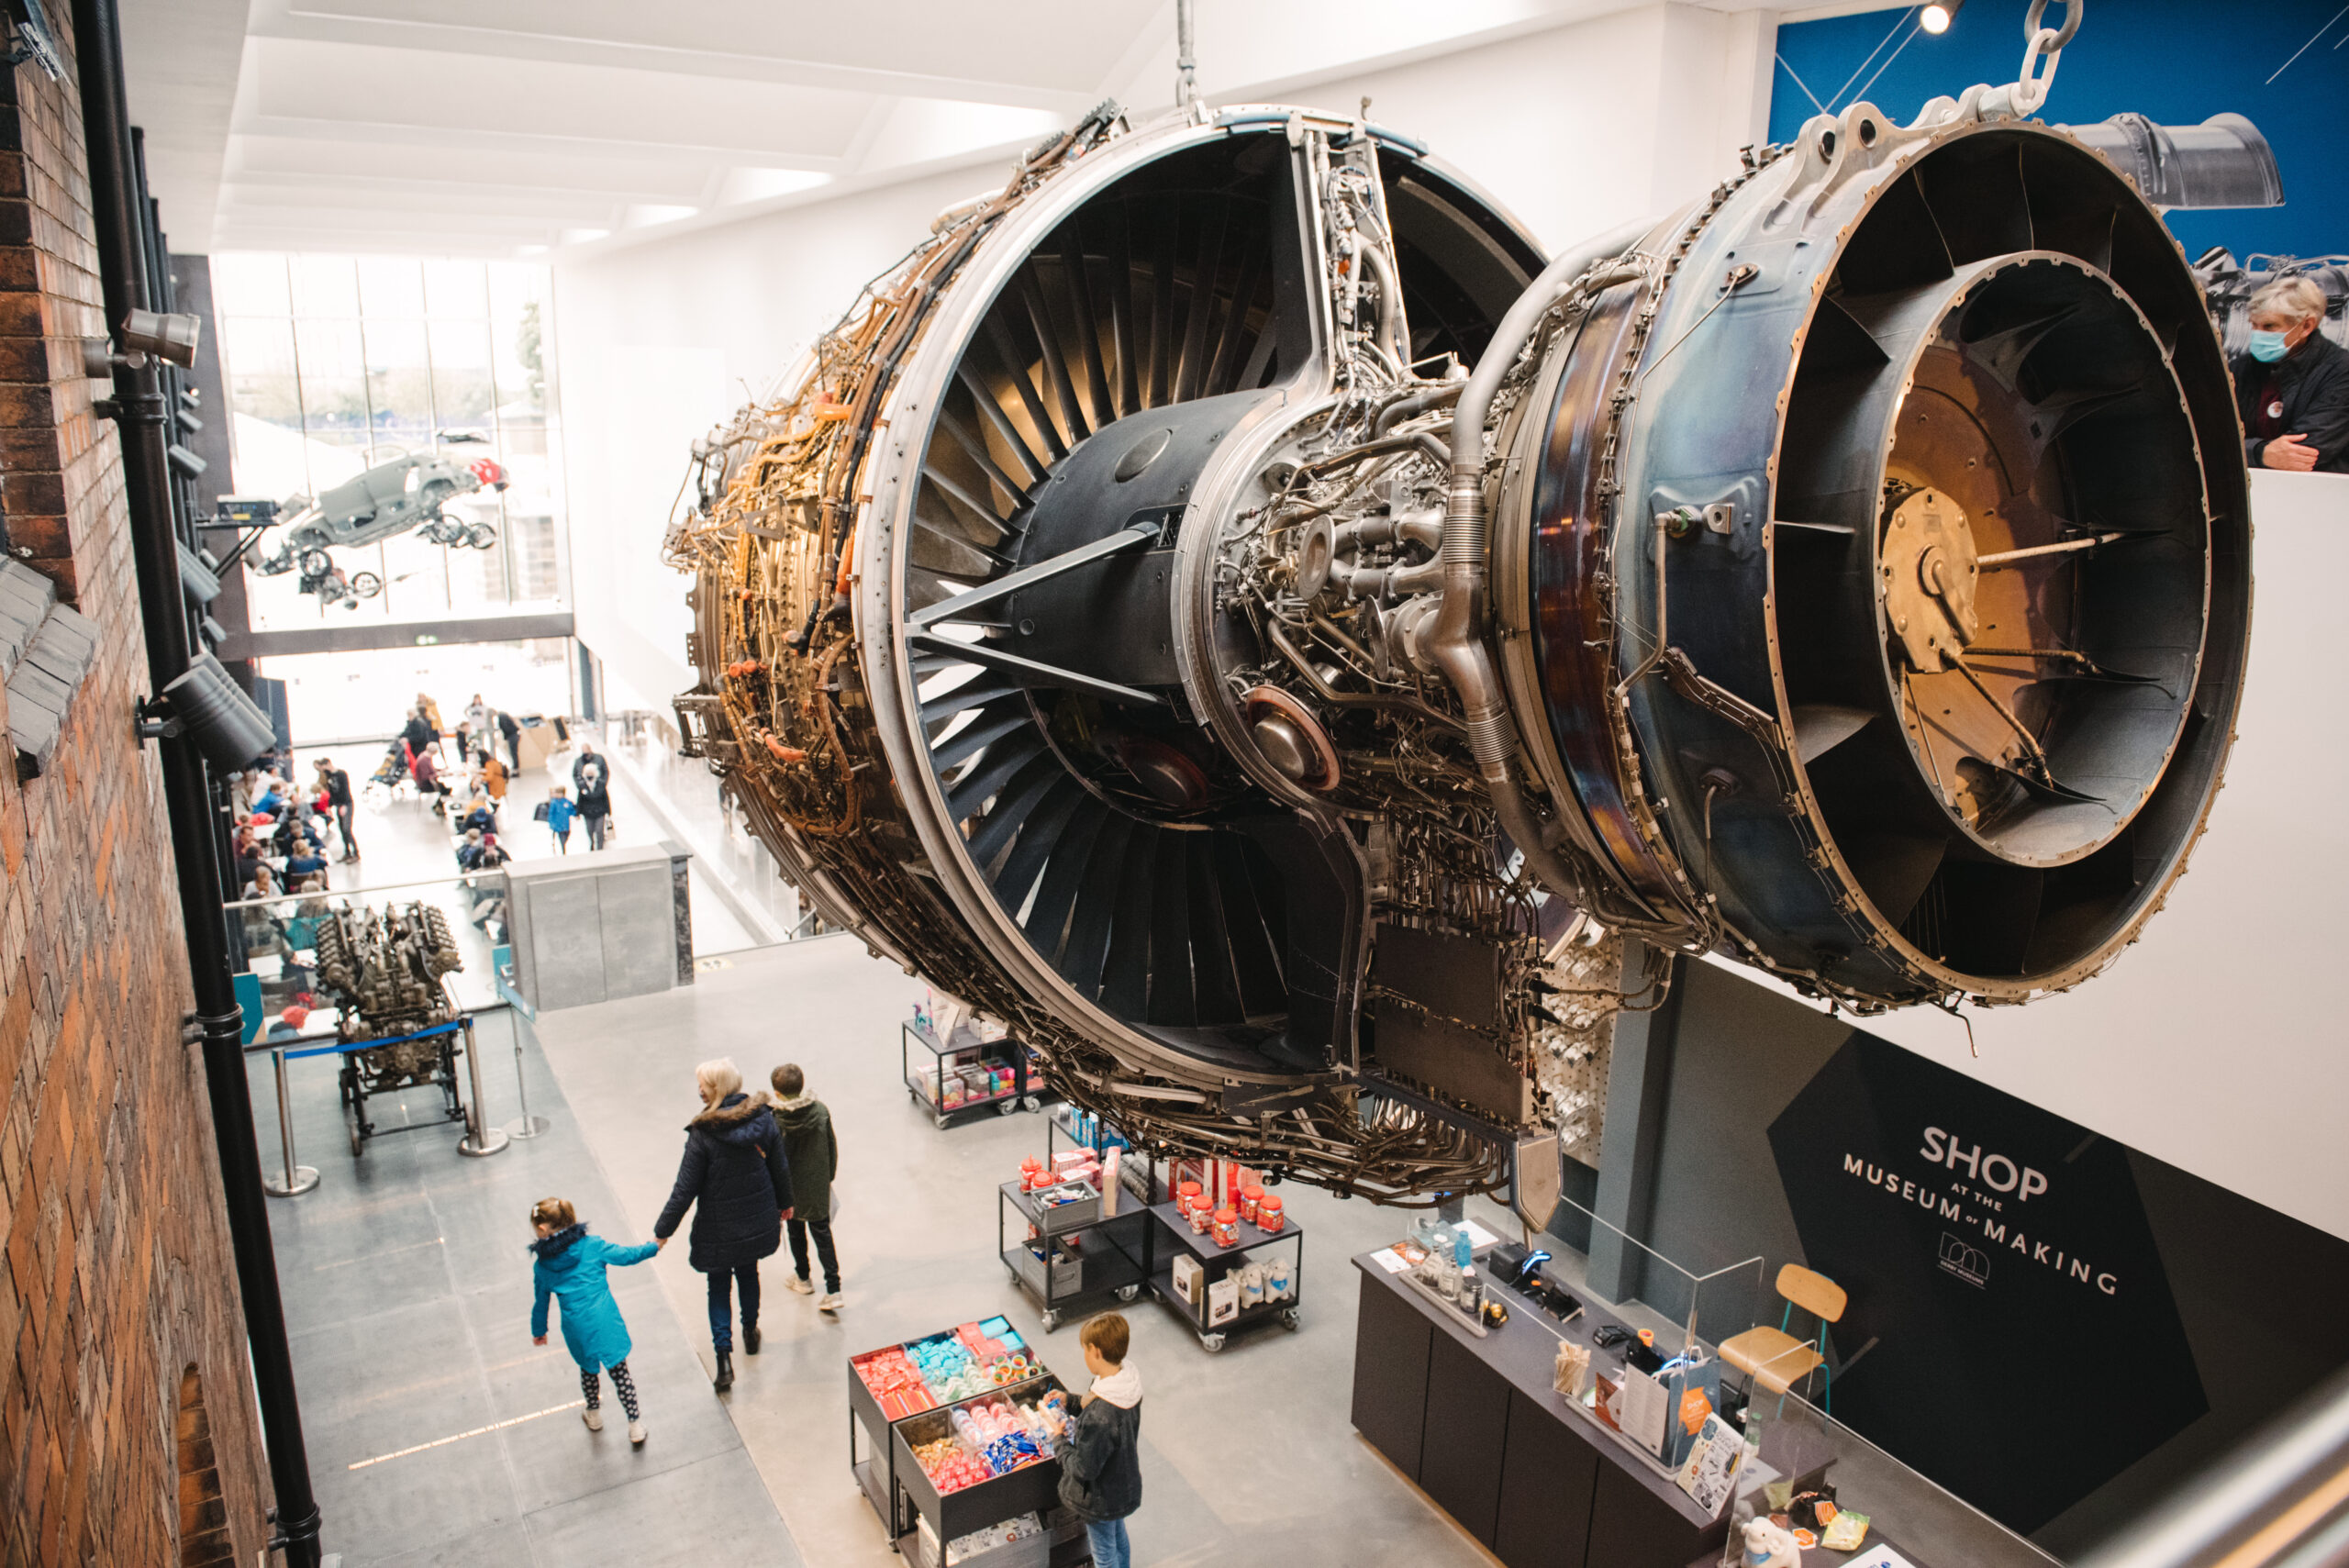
x=1936, y=17
x=208, y=706
x=171, y=339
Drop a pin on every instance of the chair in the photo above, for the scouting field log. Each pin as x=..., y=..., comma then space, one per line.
x=1776, y=1360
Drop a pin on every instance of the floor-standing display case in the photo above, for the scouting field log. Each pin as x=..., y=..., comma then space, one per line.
x=954, y=1433
x=1068, y=1250
x=965, y=1076
x=1208, y=1282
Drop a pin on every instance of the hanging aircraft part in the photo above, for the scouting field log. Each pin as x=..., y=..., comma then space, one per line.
x=1141, y=620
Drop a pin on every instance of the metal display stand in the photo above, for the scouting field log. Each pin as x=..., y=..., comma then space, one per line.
x=1137, y=1173
x=930, y=1092
x=1112, y=1256
x=881, y=1460
x=1172, y=1233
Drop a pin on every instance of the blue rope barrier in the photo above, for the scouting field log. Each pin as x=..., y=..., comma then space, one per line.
x=340, y=1050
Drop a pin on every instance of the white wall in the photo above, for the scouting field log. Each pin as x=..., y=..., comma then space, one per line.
x=658, y=343
x=2219, y=1041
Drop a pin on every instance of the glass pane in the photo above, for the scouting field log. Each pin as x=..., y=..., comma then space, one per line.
x=462, y=392
x=477, y=577
x=531, y=539
x=513, y=285
x=325, y=285
x=334, y=416
x=250, y=283
x=257, y=356
x=331, y=351
x=390, y=286
x=415, y=577
x=399, y=385
x=519, y=341
x=456, y=289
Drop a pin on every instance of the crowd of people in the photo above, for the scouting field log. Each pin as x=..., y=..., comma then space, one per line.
x=758, y=1167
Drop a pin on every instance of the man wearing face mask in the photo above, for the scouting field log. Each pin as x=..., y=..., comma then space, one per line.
x=2292, y=387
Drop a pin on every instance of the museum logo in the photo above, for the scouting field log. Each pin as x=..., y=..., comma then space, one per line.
x=1969, y=1264
x=1986, y=1201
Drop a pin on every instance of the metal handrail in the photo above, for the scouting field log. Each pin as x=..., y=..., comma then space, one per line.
x=2280, y=1500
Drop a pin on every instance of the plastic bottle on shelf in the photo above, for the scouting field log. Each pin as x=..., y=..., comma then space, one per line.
x=1464, y=1248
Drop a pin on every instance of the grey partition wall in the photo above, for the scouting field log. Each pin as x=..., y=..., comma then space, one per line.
x=596, y=927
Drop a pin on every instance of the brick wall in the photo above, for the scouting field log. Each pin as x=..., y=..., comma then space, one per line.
x=116, y=1279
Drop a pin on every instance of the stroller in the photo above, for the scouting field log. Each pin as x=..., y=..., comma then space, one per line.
x=386, y=780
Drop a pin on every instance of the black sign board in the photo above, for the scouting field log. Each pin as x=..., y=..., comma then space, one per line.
x=2012, y=1331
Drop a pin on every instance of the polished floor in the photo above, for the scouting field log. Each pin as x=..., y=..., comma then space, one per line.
x=408, y=1284
x=438, y=1433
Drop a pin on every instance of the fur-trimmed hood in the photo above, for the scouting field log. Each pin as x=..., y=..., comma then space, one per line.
x=551, y=1247
x=738, y=1118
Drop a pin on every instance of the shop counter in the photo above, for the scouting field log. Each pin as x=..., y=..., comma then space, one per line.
x=1478, y=1426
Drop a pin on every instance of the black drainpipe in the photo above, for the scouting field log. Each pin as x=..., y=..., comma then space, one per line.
x=140, y=416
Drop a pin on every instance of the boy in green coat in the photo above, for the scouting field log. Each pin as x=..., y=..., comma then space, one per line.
x=814, y=1155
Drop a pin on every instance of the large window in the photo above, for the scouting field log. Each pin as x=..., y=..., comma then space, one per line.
x=338, y=363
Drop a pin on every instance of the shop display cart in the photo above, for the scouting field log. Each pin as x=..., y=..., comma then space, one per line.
x=1140, y=1175
x=1084, y=1254
x=964, y=1076
x=890, y=1420
x=1170, y=1237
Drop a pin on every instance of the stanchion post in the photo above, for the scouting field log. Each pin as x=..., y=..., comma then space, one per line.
x=481, y=1139
x=297, y=1179
x=525, y=1125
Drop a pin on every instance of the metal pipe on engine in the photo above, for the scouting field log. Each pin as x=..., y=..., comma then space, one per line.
x=1456, y=641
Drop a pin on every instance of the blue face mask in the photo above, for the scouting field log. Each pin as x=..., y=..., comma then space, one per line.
x=2268, y=347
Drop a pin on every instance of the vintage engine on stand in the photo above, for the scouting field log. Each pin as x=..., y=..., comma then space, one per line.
x=386, y=971
x=1226, y=607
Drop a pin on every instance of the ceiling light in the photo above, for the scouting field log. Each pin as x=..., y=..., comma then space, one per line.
x=1936, y=17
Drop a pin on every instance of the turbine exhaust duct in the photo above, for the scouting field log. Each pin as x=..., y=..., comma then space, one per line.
x=1140, y=621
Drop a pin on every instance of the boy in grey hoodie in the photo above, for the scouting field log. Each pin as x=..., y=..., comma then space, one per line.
x=1101, y=1461
x=815, y=1156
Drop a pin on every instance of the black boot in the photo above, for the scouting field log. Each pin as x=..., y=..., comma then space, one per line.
x=725, y=1379
x=750, y=1338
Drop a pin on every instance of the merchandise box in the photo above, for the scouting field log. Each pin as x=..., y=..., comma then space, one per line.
x=1063, y=1276
x=1032, y=1488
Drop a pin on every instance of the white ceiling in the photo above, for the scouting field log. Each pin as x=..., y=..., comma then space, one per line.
x=509, y=127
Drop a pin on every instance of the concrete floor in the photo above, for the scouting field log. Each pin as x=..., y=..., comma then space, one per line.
x=1248, y=1455
x=408, y=1296
x=406, y=1283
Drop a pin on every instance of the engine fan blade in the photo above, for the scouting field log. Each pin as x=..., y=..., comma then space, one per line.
x=1047, y=829
x=1173, y=991
x=1819, y=727
x=1047, y=920
x=1101, y=878
x=1199, y=307
x=1019, y=798
x=1125, y=969
x=1213, y=972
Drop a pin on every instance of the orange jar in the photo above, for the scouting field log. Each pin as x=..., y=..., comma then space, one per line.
x=1268, y=1213
x=1252, y=1201
x=1227, y=1225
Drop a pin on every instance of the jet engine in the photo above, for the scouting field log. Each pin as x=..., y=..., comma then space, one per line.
x=1226, y=606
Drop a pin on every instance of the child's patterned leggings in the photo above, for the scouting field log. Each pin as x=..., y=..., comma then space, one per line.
x=593, y=1387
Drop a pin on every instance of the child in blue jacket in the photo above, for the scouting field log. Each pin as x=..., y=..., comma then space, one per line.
x=560, y=812
x=570, y=1267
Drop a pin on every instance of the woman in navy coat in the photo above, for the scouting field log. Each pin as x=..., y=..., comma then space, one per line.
x=737, y=1182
